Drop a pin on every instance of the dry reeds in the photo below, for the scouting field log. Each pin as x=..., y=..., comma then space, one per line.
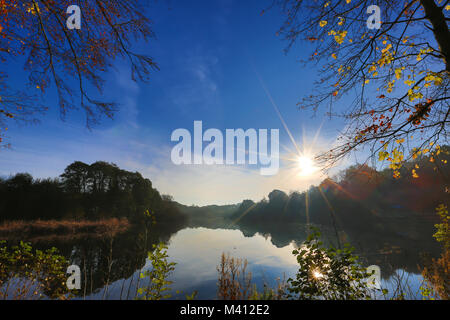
x=436, y=275
x=234, y=279
x=104, y=227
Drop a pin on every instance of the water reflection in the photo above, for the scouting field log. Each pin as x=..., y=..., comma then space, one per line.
x=111, y=266
x=197, y=253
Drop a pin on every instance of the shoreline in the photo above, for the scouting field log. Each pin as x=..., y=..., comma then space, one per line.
x=49, y=228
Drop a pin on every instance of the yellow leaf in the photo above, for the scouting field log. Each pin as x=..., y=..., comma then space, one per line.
x=382, y=155
x=340, y=36
x=387, y=48
x=398, y=73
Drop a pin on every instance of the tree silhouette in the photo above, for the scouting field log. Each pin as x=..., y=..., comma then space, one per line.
x=96, y=191
x=73, y=61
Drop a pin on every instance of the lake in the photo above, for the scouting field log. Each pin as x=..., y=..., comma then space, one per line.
x=197, y=252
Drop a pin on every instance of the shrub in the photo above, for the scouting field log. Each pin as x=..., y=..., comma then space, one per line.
x=31, y=274
x=327, y=273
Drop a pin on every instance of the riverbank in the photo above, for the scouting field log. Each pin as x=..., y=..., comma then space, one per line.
x=62, y=228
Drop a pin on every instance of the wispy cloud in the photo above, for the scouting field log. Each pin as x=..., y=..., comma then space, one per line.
x=198, y=88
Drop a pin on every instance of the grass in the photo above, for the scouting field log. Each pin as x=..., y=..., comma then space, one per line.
x=52, y=228
x=234, y=279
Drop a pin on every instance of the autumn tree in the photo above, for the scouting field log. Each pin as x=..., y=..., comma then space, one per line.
x=393, y=80
x=71, y=61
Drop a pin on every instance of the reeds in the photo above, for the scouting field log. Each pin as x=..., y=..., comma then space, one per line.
x=235, y=282
x=29, y=229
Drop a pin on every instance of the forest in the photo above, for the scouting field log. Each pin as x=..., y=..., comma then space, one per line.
x=358, y=197
x=85, y=192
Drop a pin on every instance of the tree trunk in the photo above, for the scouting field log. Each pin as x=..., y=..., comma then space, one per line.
x=440, y=29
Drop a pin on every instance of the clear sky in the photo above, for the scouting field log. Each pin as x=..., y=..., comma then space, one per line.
x=209, y=54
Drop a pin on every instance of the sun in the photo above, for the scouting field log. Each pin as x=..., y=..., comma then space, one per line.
x=306, y=165
x=317, y=274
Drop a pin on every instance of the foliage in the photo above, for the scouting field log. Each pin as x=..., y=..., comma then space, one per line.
x=234, y=281
x=324, y=273
x=436, y=278
x=31, y=274
x=397, y=75
x=443, y=229
x=158, y=285
x=96, y=191
x=191, y=296
x=327, y=273
x=150, y=219
x=70, y=61
x=436, y=273
x=269, y=293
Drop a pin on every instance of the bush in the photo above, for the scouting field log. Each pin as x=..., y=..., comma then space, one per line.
x=327, y=273
x=31, y=274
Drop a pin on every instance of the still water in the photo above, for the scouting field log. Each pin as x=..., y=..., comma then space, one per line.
x=197, y=252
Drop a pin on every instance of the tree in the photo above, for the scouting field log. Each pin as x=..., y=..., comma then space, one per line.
x=72, y=61
x=398, y=74
x=75, y=177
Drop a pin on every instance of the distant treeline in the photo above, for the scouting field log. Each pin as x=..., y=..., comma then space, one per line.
x=361, y=199
x=83, y=191
x=366, y=204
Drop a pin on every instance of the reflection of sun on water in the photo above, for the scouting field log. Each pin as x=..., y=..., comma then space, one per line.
x=317, y=274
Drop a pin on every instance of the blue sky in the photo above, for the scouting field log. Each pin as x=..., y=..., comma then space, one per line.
x=209, y=54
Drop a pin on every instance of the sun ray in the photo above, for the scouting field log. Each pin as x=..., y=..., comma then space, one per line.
x=243, y=214
x=343, y=190
x=274, y=105
x=316, y=136
x=307, y=210
x=287, y=202
x=334, y=217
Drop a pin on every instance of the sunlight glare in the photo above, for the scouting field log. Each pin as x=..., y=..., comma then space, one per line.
x=306, y=166
x=317, y=274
